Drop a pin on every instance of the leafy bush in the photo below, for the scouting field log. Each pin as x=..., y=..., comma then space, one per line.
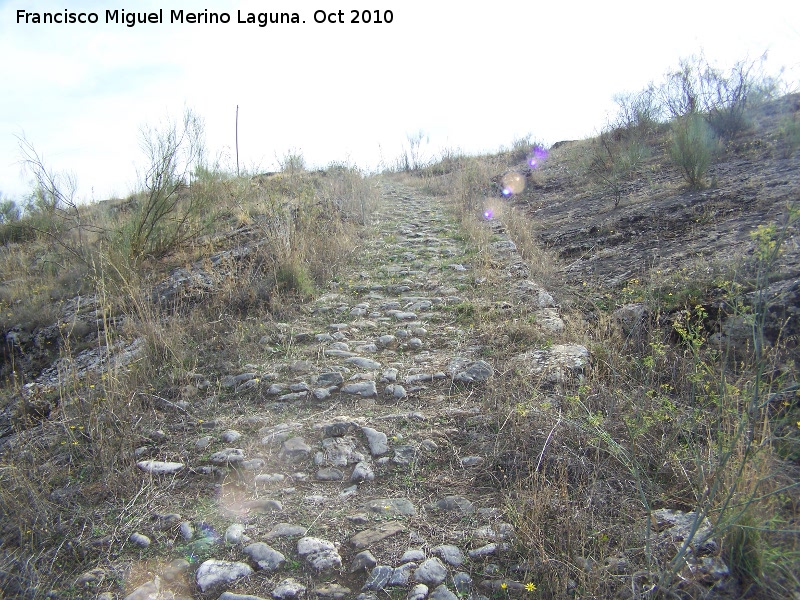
x=693, y=148
x=639, y=111
x=169, y=211
x=725, y=98
x=722, y=97
x=617, y=159
x=293, y=162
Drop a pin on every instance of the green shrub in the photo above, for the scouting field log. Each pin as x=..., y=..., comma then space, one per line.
x=693, y=148
x=293, y=162
x=721, y=96
x=169, y=212
x=617, y=159
x=293, y=277
x=639, y=111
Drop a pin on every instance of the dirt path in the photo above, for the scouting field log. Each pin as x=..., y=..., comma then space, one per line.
x=366, y=459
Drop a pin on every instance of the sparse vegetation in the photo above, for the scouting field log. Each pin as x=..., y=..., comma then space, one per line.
x=692, y=148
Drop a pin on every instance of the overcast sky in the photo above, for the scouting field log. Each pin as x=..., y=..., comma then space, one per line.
x=471, y=79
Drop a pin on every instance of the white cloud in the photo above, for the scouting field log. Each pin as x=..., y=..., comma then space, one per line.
x=473, y=78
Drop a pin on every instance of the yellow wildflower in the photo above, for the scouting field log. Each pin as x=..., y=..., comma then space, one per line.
x=530, y=587
x=503, y=585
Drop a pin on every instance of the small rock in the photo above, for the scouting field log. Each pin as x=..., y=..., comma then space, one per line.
x=320, y=554
x=219, y=572
x=477, y=372
x=412, y=554
x=368, y=537
x=140, y=540
x=329, y=379
x=365, y=389
x=362, y=472
x=389, y=375
x=230, y=436
x=495, y=532
x=488, y=550
x=167, y=521
x=395, y=391
x=288, y=589
x=295, y=449
x=402, y=575
x=265, y=557
x=442, y=592
x=339, y=429
x=364, y=363
x=321, y=393
x=418, y=592
x=376, y=440
x=157, y=467
x=450, y=554
x=203, y=443
x=232, y=596
x=387, y=341
x=388, y=507
x=227, y=456
x=276, y=389
x=358, y=518
x=462, y=582
x=431, y=572
x=378, y=578
x=176, y=570
x=278, y=433
x=471, y=461
x=329, y=474
x=269, y=478
x=147, y=591
x=252, y=464
x=235, y=534
x=404, y=455
x=363, y=561
x=286, y=530
x=555, y=365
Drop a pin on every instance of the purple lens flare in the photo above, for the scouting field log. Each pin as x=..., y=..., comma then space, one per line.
x=537, y=157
